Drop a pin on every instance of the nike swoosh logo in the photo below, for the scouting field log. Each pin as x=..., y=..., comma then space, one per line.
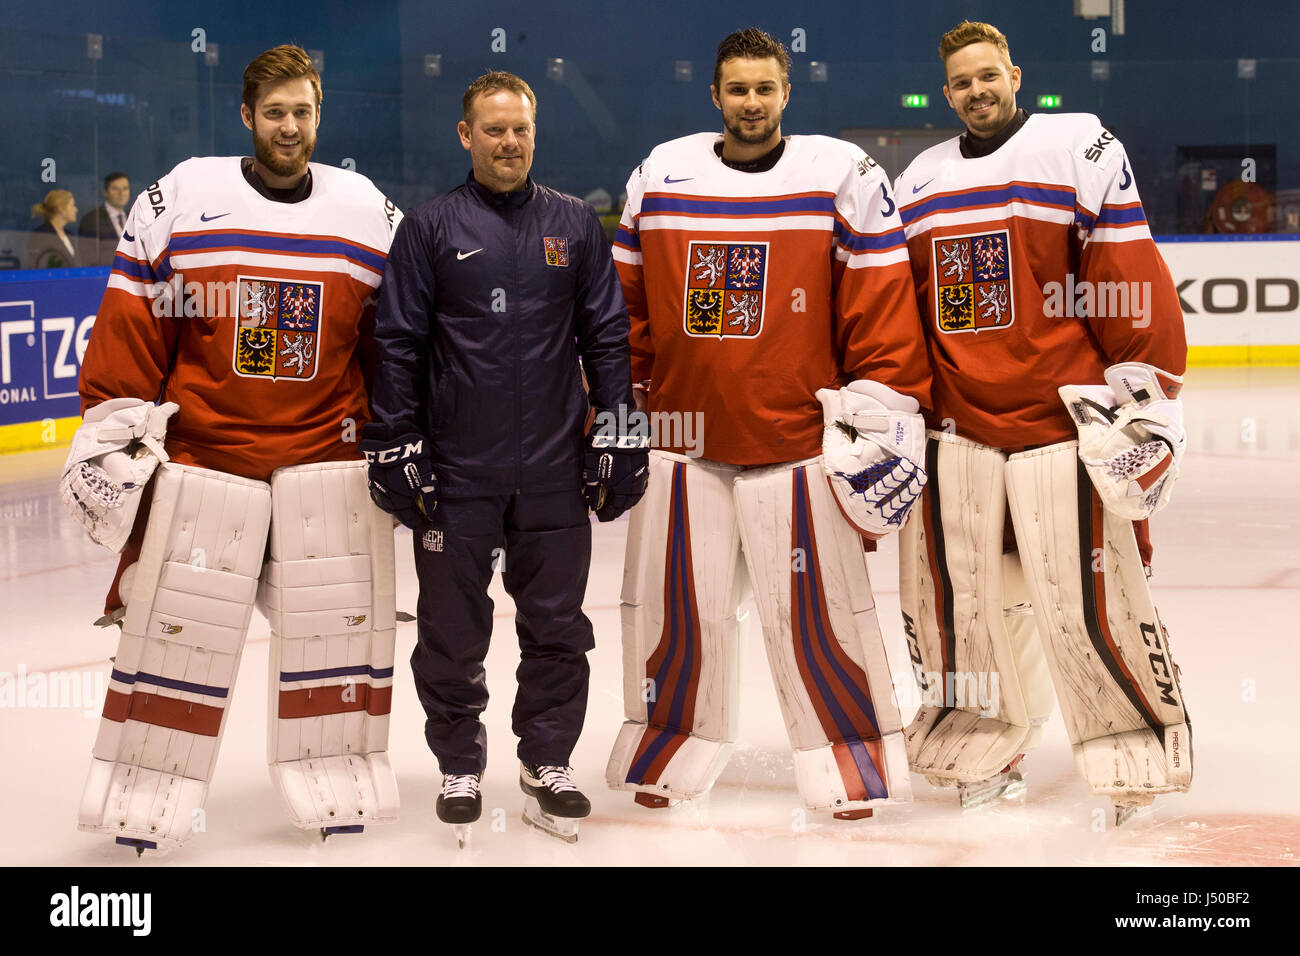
x=127, y=236
x=466, y=255
x=917, y=189
x=684, y=179
x=206, y=218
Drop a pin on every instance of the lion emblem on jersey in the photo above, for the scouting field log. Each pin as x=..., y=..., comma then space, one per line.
x=972, y=282
x=726, y=289
x=279, y=328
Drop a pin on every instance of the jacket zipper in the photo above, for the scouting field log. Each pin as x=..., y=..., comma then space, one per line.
x=517, y=312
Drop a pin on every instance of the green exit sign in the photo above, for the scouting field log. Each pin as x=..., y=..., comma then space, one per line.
x=916, y=101
x=1049, y=101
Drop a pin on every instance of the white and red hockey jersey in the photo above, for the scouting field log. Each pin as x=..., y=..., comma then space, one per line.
x=254, y=316
x=1034, y=268
x=748, y=291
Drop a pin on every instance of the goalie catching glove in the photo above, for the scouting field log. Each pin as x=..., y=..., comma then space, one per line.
x=871, y=449
x=402, y=482
x=616, y=467
x=114, y=454
x=1131, y=437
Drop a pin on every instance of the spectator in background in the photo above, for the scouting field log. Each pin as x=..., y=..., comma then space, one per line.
x=101, y=228
x=50, y=247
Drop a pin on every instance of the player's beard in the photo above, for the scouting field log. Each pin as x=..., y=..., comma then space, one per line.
x=264, y=150
x=993, y=122
x=736, y=129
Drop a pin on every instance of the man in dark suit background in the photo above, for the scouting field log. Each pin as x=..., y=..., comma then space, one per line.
x=100, y=228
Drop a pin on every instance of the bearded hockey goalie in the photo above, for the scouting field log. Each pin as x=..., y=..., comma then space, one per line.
x=215, y=457
x=1055, y=436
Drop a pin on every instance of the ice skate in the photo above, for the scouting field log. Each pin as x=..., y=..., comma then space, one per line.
x=460, y=804
x=554, y=804
x=1130, y=805
x=1008, y=783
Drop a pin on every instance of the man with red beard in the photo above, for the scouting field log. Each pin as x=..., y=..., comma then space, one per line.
x=240, y=307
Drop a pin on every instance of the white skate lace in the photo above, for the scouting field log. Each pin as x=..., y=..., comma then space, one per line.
x=555, y=779
x=459, y=785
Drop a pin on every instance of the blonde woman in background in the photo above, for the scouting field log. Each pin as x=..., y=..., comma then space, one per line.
x=50, y=247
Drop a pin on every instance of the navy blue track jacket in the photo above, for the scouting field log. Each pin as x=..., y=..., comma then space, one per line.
x=486, y=304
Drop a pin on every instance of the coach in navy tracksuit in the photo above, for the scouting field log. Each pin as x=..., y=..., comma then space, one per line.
x=491, y=293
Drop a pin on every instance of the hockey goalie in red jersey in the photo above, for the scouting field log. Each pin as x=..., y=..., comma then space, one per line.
x=775, y=335
x=1057, y=344
x=223, y=390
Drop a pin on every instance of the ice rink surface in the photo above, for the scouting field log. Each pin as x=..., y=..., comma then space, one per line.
x=1227, y=584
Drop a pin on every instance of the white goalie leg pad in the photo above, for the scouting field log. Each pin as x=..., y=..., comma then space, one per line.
x=187, y=612
x=1108, y=652
x=329, y=592
x=682, y=583
x=828, y=660
x=980, y=669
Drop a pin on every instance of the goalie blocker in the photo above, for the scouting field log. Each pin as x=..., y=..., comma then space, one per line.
x=328, y=592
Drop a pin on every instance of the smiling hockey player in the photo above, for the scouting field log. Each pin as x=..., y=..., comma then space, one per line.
x=1048, y=310
x=767, y=282
x=239, y=303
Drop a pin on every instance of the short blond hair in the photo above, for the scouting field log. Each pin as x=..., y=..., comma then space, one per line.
x=54, y=200
x=494, y=81
x=973, y=31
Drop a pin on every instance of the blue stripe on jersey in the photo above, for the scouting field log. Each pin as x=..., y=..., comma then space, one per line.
x=136, y=270
x=767, y=207
x=987, y=197
x=1120, y=217
x=629, y=239
x=856, y=243
x=294, y=244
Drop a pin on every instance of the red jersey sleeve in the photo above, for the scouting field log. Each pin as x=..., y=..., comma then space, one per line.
x=1135, y=315
x=133, y=340
x=878, y=327
x=627, y=260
